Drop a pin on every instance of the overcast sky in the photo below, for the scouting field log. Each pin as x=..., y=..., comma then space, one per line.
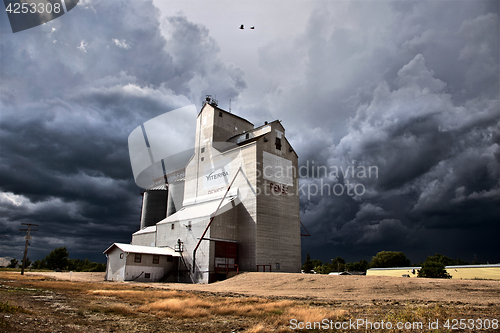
x=411, y=88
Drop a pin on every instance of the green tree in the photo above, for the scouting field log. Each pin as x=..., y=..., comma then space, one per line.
x=338, y=264
x=39, y=264
x=28, y=263
x=360, y=266
x=308, y=265
x=86, y=265
x=433, y=268
x=58, y=258
x=323, y=269
x=390, y=259
x=446, y=261
x=316, y=263
x=13, y=263
x=98, y=267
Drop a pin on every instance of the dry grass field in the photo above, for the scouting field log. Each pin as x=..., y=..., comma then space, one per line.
x=249, y=302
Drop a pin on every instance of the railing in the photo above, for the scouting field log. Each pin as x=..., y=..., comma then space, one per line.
x=264, y=267
x=169, y=273
x=227, y=268
x=138, y=276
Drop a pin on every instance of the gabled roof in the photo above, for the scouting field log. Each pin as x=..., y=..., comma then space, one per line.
x=146, y=230
x=200, y=210
x=216, y=107
x=129, y=248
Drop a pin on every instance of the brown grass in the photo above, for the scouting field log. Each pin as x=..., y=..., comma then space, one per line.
x=137, y=296
x=249, y=314
x=191, y=306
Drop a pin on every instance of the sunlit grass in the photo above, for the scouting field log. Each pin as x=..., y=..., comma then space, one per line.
x=253, y=314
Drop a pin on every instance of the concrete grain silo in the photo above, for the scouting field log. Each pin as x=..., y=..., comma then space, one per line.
x=233, y=207
x=154, y=206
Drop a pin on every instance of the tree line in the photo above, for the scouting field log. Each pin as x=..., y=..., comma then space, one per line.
x=433, y=266
x=59, y=259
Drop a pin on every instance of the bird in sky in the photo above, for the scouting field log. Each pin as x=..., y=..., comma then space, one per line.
x=243, y=27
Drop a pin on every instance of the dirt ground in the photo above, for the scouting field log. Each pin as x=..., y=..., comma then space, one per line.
x=353, y=289
x=83, y=302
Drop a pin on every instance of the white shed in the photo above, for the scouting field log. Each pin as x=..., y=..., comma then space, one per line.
x=126, y=262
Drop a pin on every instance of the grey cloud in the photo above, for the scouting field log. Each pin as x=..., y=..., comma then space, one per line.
x=67, y=111
x=430, y=123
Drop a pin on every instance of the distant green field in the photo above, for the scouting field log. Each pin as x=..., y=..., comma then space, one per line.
x=459, y=272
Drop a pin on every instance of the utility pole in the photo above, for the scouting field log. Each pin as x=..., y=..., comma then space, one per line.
x=28, y=238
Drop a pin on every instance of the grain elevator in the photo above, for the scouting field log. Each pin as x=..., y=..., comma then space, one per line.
x=233, y=207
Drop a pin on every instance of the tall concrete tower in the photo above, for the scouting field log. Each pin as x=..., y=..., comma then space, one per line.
x=252, y=225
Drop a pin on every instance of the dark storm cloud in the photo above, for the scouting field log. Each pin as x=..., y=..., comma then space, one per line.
x=412, y=89
x=198, y=67
x=70, y=96
x=438, y=169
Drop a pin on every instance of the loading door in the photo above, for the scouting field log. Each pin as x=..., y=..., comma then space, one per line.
x=226, y=259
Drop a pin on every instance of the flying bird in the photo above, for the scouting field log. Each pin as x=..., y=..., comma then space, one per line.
x=241, y=27
x=252, y=27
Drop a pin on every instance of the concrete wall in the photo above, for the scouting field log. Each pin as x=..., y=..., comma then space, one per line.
x=189, y=236
x=216, y=125
x=175, y=196
x=134, y=271
x=237, y=223
x=121, y=267
x=265, y=225
x=278, y=212
x=115, y=266
x=154, y=207
x=144, y=239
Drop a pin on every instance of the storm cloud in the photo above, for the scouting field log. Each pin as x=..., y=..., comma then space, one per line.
x=410, y=88
x=70, y=96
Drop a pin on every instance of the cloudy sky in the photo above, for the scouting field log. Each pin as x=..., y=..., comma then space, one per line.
x=408, y=87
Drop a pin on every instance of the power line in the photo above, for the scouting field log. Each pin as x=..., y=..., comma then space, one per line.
x=28, y=238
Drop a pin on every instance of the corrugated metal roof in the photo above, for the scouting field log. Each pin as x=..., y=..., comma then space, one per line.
x=474, y=266
x=160, y=187
x=164, y=251
x=205, y=209
x=447, y=267
x=145, y=230
x=389, y=268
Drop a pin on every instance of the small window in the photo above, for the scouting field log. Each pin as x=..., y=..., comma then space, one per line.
x=147, y=275
x=156, y=260
x=247, y=136
x=138, y=257
x=202, y=159
x=173, y=226
x=220, y=114
x=170, y=258
x=202, y=150
x=277, y=266
x=121, y=255
x=278, y=143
